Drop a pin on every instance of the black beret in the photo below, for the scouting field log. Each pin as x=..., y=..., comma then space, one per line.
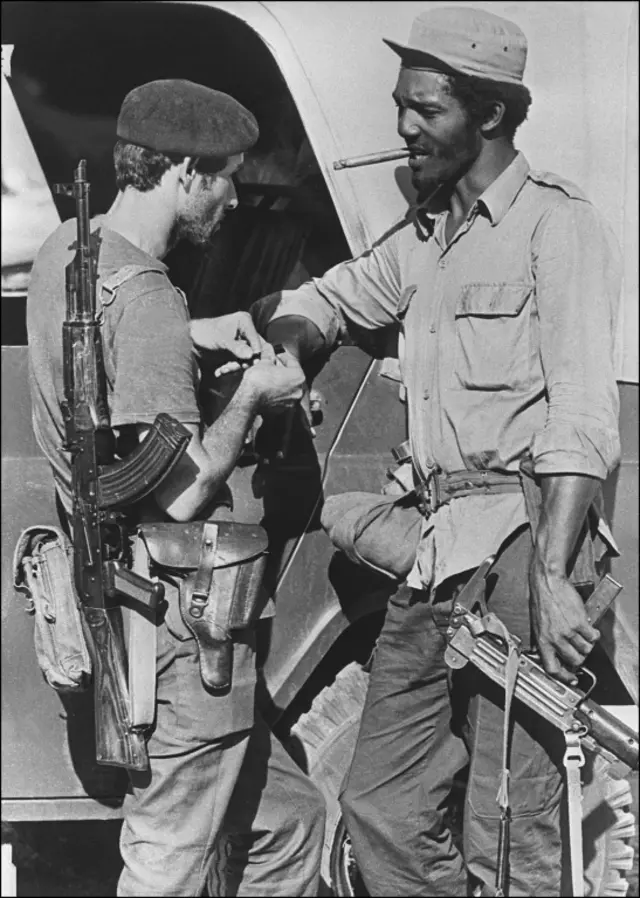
x=188, y=119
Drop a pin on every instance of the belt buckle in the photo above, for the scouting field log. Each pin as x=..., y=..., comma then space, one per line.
x=430, y=493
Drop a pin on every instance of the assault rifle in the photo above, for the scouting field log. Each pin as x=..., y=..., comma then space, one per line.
x=102, y=489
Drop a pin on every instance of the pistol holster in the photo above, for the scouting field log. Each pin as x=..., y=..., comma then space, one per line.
x=220, y=566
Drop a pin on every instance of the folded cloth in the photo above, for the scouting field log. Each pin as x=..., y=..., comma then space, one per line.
x=379, y=532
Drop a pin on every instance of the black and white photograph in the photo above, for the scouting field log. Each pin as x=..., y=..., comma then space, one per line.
x=320, y=449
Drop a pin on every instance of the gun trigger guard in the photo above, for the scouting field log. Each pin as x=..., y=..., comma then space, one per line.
x=594, y=680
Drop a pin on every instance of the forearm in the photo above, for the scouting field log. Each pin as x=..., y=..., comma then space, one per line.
x=565, y=502
x=560, y=625
x=314, y=318
x=224, y=439
x=208, y=462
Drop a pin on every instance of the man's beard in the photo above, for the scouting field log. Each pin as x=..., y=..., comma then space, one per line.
x=445, y=180
x=199, y=232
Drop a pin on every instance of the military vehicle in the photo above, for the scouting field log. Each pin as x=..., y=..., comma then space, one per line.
x=319, y=80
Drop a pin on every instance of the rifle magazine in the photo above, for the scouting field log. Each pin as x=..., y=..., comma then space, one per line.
x=130, y=480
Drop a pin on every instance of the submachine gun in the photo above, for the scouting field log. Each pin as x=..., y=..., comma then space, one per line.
x=479, y=637
x=102, y=490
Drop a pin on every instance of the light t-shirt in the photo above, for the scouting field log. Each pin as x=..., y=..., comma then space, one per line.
x=149, y=358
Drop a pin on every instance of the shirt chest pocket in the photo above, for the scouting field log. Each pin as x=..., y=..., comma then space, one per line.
x=493, y=336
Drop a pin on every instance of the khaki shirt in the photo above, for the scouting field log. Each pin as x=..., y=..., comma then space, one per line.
x=507, y=345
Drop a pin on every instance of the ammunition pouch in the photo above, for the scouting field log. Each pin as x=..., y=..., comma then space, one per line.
x=218, y=567
x=43, y=573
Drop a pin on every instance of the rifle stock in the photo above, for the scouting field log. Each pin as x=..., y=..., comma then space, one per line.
x=117, y=744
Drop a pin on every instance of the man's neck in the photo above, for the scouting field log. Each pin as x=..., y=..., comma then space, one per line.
x=143, y=219
x=490, y=164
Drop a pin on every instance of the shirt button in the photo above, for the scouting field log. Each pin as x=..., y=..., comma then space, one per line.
x=426, y=395
x=432, y=329
x=442, y=263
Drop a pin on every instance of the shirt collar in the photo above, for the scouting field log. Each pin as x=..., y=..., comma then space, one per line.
x=496, y=200
x=500, y=195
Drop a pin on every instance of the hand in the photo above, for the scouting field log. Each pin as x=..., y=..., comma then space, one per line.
x=560, y=625
x=234, y=333
x=279, y=382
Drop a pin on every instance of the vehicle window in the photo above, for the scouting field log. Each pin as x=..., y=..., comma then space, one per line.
x=28, y=213
x=69, y=88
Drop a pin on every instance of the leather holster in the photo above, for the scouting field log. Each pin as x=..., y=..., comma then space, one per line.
x=220, y=566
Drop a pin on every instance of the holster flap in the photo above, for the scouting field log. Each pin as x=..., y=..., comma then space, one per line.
x=178, y=546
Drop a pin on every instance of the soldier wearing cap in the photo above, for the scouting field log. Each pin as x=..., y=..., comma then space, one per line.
x=503, y=283
x=212, y=758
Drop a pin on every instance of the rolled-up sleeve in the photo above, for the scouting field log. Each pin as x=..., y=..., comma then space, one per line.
x=577, y=270
x=364, y=291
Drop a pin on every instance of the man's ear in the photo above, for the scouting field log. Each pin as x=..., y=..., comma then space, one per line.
x=494, y=113
x=187, y=171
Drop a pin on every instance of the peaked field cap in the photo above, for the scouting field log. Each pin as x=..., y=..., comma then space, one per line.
x=187, y=119
x=463, y=39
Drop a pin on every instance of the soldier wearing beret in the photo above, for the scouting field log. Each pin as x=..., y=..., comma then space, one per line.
x=503, y=283
x=213, y=760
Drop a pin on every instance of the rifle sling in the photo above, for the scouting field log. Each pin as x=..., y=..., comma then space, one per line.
x=573, y=760
x=142, y=639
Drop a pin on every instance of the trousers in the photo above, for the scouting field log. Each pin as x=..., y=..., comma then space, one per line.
x=223, y=806
x=422, y=725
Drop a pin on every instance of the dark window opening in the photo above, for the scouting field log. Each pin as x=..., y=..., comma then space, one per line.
x=73, y=64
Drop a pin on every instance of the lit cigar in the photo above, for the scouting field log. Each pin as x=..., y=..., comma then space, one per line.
x=371, y=159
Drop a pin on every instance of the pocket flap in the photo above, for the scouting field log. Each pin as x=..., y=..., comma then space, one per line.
x=177, y=546
x=492, y=300
x=29, y=543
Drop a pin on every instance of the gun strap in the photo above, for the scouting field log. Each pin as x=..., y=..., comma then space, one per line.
x=111, y=284
x=573, y=760
x=142, y=639
x=511, y=676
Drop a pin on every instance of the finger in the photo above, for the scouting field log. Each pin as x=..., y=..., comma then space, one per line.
x=569, y=655
x=554, y=668
x=241, y=350
x=581, y=644
x=267, y=351
x=247, y=329
x=227, y=368
x=588, y=632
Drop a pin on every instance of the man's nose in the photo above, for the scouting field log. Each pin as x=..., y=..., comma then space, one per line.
x=231, y=201
x=408, y=127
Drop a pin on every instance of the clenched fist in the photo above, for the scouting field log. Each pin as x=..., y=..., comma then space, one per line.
x=278, y=382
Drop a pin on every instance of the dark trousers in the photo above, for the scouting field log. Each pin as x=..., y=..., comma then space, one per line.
x=422, y=724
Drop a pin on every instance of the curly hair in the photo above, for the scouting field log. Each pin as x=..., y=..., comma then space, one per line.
x=139, y=167
x=143, y=169
x=477, y=96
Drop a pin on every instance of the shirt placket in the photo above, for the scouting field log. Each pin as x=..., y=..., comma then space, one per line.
x=433, y=332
